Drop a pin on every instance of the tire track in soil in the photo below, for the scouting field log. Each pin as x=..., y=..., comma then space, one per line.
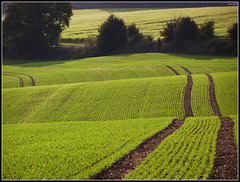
x=33, y=82
x=187, y=97
x=189, y=72
x=129, y=162
x=20, y=79
x=173, y=70
x=225, y=163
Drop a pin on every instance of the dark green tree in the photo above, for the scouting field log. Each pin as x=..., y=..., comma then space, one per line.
x=112, y=34
x=233, y=32
x=206, y=30
x=34, y=27
x=181, y=29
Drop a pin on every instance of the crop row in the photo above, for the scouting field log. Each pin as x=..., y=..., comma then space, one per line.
x=71, y=150
x=96, y=101
x=235, y=120
x=186, y=154
x=200, y=101
x=225, y=85
x=117, y=67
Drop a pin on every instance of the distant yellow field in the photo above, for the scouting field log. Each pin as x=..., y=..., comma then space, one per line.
x=150, y=21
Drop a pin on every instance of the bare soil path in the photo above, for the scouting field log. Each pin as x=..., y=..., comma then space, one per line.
x=187, y=97
x=33, y=82
x=20, y=79
x=173, y=70
x=129, y=162
x=212, y=95
x=225, y=163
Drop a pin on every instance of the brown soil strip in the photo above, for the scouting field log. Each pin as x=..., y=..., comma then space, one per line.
x=187, y=97
x=189, y=72
x=20, y=79
x=173, y=70
x=33, y=82
x=212, y=95
x=129, y=162
x=225, y=163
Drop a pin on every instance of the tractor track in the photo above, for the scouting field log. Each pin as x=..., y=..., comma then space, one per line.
x=173, y=70
x=33, y=82
x=187, y=97
x=189, y=72
x=225, y=163
x=20, y=79
x=126, y=164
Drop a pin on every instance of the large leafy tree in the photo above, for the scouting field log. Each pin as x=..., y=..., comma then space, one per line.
x=112, y=34
x=34, y=27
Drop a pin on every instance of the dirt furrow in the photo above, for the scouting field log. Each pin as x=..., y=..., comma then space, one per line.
x=129, y=162
x=173, y=70
x=20, y=79
x=33, y=82
x=189, y=72
x=225, y=163
x=212, y=95
x=187, y=97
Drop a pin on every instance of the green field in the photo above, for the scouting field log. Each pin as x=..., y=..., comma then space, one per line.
x=71, y=150
x=187, y=154
x=125, y=66
x=85, y=22
x=85, y=114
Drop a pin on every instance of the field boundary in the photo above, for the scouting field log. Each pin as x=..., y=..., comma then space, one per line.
x=20, y=79
x=33, y=82
x=126, y=164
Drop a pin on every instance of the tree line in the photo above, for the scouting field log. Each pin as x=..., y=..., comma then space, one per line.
x=30, y=29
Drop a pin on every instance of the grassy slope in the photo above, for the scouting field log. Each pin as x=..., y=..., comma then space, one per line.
x=71, y=150
x=110, y=100
x=117, y=67
x=150, y=21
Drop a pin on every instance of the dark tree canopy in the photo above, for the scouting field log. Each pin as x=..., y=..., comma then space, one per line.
x=233, y=32
x=206, y=30
x=33, y=27
x=112, y=34
x=181, y=29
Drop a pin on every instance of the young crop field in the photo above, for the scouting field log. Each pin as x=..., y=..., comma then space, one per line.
x=226, y=92
x=75, y=119
x=200, y=96
x=186, y=154
x=85, y=23
x=71, y=150
x=96, y=101
x=126, y=66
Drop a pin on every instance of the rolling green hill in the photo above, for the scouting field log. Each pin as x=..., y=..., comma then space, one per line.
x=80, y=116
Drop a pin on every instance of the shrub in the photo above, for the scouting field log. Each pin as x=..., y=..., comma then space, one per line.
x=181, y=29
x=132, y=31
x=206, y=30
x=233, y=32
x=112, y=34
